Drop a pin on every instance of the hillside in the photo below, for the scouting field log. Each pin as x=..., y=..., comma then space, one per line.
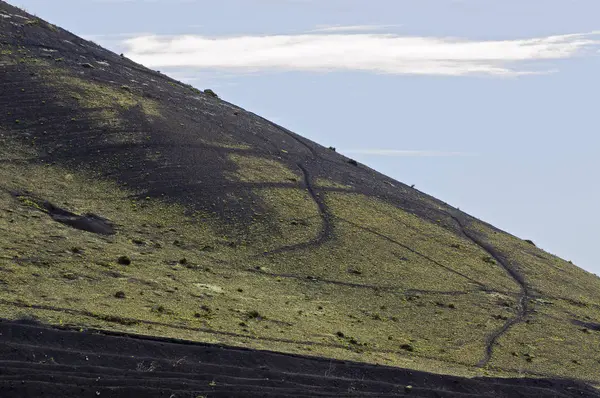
x=130, y=202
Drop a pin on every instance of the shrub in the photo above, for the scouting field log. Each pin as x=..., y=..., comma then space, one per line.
x=124, y=260
x=407, y=347
x=254, y=315
x=210, y=93
x=488, y=259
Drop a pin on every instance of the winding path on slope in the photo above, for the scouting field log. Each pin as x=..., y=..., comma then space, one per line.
x=326, y=231
x=524, y=294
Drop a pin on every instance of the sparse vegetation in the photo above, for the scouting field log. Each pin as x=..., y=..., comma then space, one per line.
x=394, y=281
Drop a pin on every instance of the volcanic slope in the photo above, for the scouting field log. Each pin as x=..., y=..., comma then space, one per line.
x=131, y=202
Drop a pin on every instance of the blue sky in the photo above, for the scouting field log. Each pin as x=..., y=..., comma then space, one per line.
x=488, y=105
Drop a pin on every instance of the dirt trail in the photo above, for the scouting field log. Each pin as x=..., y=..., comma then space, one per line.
x=524, y=294
x=481, y=285
x=326, y=231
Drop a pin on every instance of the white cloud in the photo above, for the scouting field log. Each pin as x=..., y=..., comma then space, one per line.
x=398, y=152
x=380, y=53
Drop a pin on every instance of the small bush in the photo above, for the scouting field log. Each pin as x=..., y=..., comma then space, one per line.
x=488, y=259
x=124, y=260
x=353, y=162
x=210, y=93
x=254, y=315
x=159, y=309
x=407, y=347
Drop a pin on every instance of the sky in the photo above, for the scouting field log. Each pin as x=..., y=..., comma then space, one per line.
x=488, y=105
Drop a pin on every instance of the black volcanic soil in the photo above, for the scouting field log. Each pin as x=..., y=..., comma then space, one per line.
x=189, y=164
x=40, y=361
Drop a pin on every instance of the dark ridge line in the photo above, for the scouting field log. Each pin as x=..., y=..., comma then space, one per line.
x=523, y=309
x=406, y=292
x=415, y=252
x=326, y=232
